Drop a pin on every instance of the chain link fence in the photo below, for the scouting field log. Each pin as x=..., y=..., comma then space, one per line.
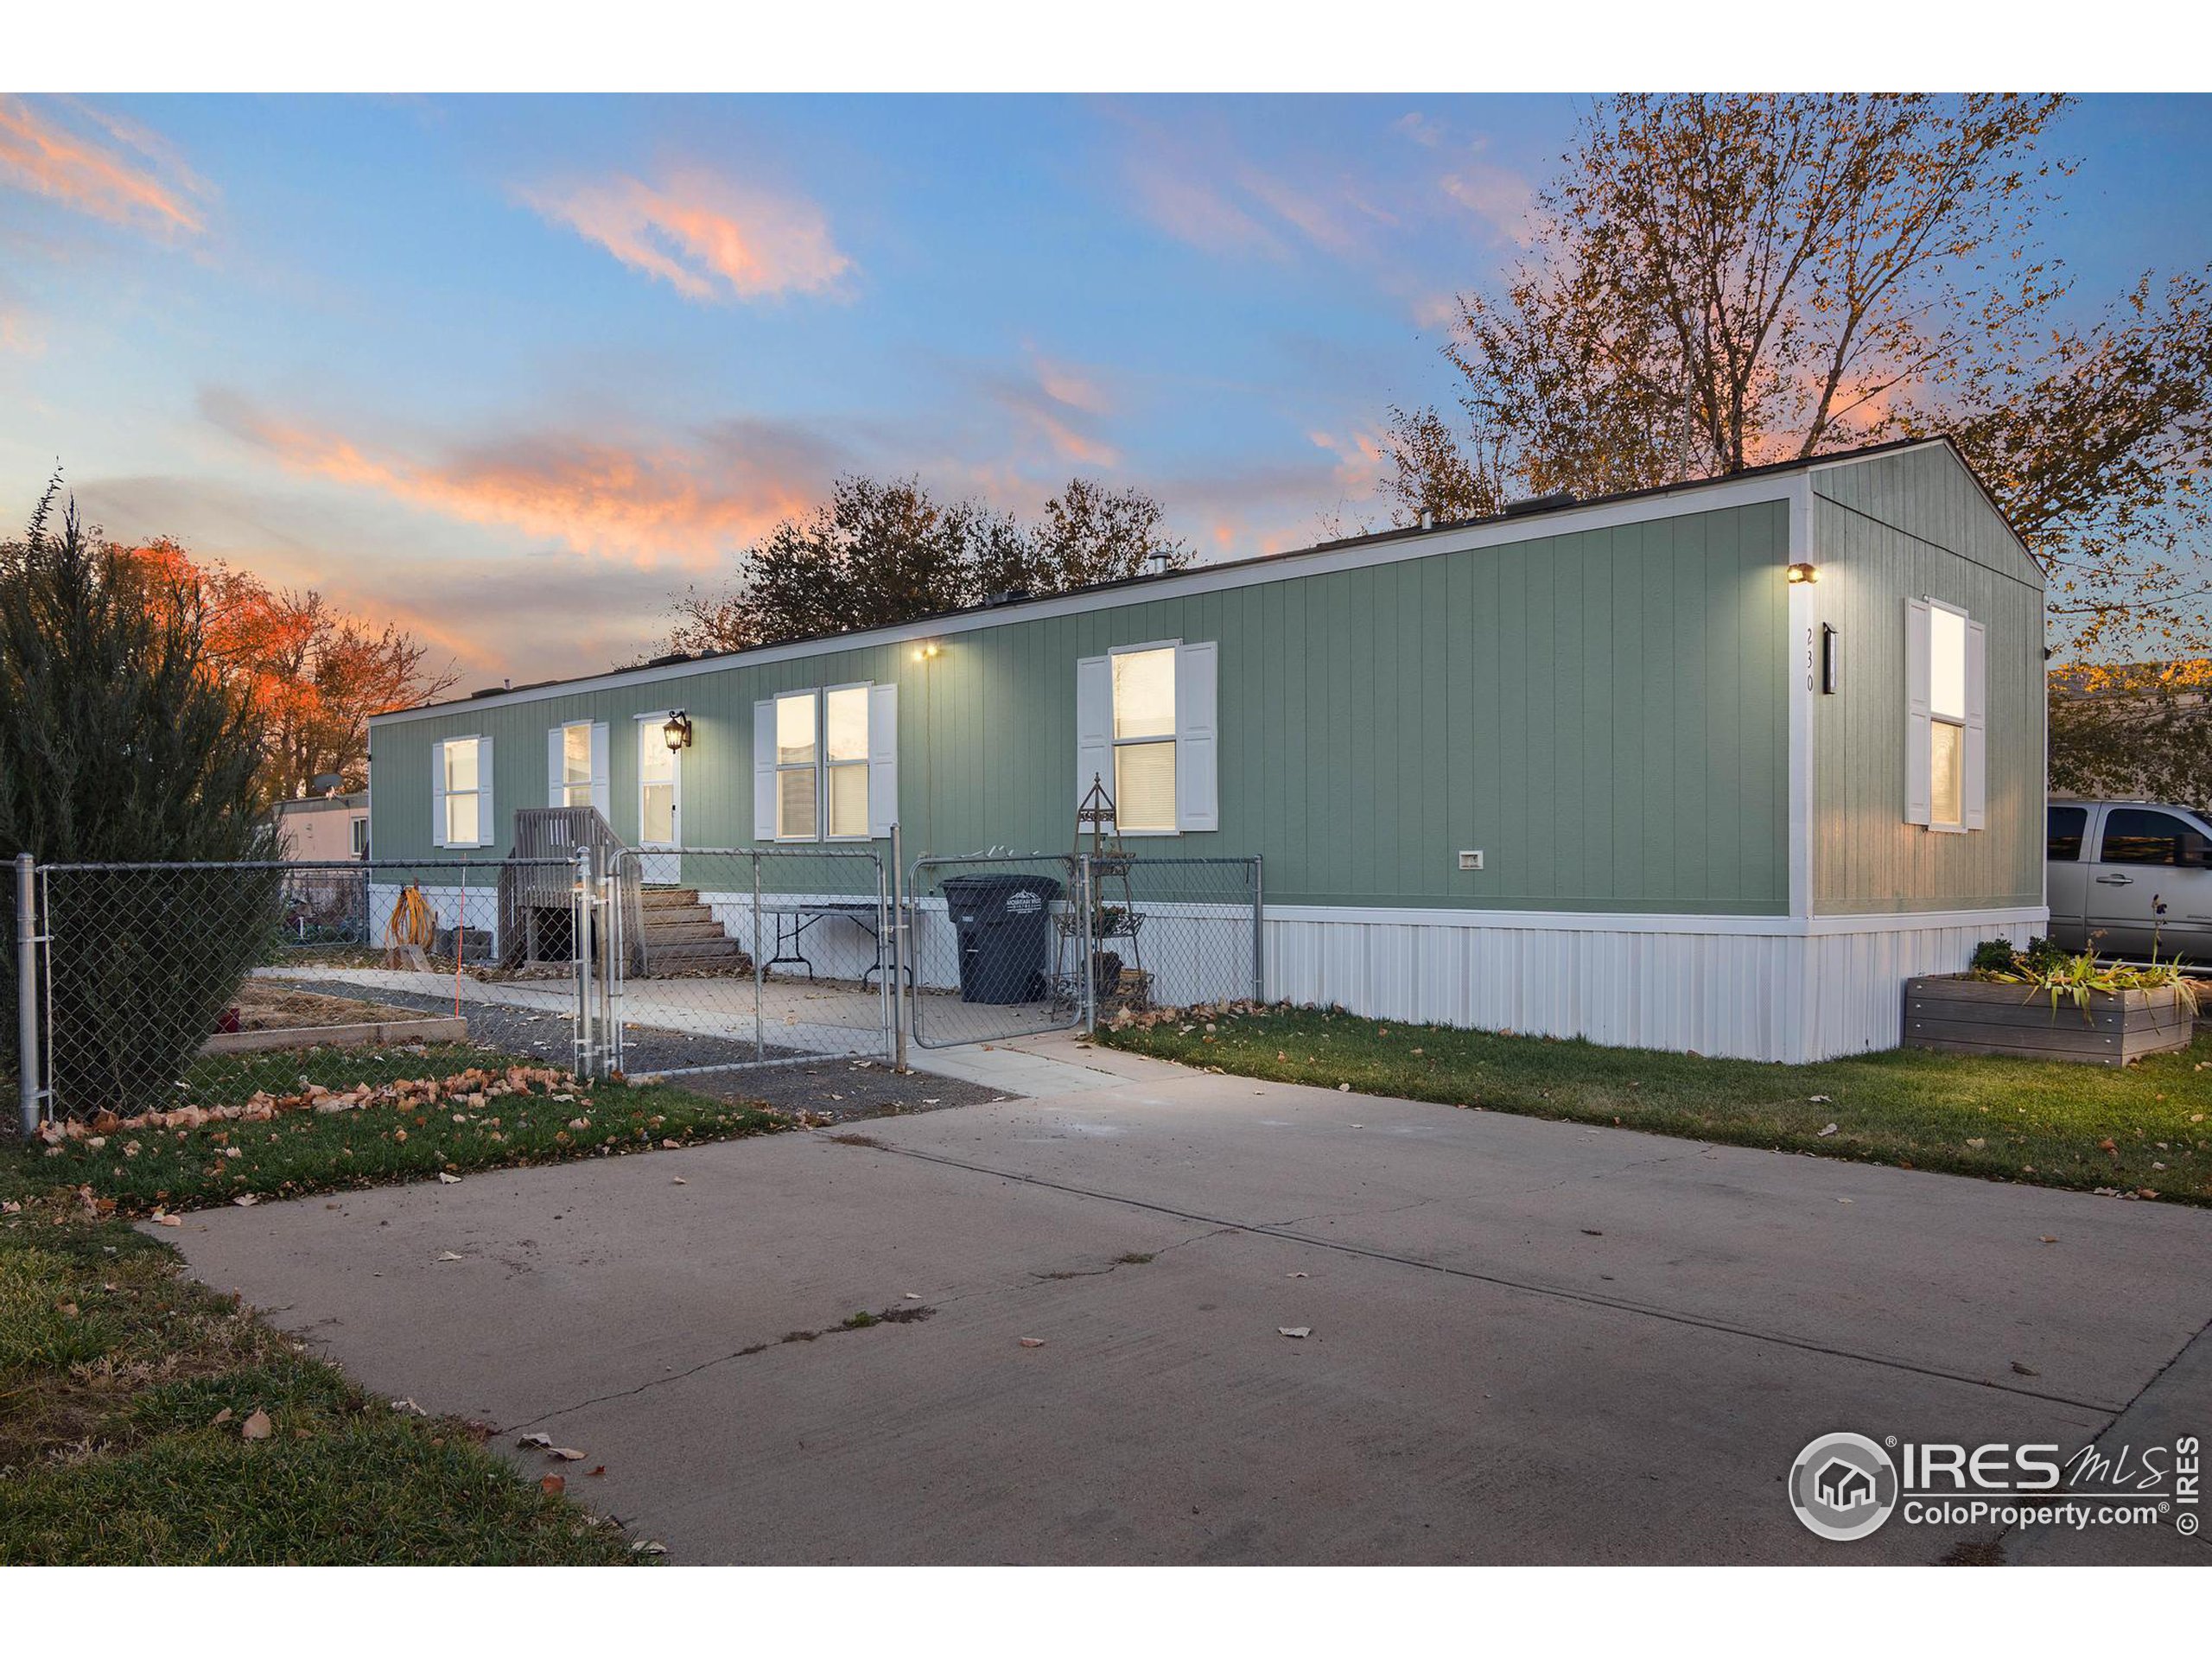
x=748, y=956
x=155, y=986
x=158, y=985
x=1005, y=947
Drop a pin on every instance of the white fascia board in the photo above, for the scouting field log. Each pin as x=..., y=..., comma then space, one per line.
x=1713, y=495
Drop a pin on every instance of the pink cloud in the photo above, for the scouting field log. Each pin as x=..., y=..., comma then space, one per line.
x=1063, y=404
x=684, y=504
x=709, y=238
x=134, y=180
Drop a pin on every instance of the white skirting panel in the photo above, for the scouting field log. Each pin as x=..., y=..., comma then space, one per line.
x=1749, y=987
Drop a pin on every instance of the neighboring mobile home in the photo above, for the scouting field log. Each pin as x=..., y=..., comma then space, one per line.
x=1615, y=769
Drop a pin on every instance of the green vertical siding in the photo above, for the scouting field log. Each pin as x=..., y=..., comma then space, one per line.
x=1602, y=713
x=1885, y=530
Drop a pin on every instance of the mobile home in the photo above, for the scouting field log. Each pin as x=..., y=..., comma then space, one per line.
x=1710, y=767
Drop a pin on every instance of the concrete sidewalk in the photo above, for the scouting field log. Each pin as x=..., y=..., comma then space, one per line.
x=1529, y=1341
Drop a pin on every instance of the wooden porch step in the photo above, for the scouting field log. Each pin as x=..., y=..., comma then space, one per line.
x=702, y=926
x=703, y=953
x=668, y=897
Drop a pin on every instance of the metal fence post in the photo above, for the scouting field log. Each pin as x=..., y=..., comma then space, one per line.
x=1259, y=930
x=899, y=948
x=1087, y=942
x=579, y=950
x=616, y=969
x=759, y=978
x=27, y=1050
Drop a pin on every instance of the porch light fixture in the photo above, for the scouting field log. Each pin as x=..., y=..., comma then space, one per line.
x=1803, y=573
x=928, y=650
x=677, y=734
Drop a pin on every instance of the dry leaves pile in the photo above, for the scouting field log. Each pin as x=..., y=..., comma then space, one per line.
x=471, y=1089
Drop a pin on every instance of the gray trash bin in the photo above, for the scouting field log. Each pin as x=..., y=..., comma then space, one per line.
x=1004, y=924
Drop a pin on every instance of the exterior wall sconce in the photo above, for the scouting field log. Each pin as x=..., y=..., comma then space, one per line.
x=677, y=734
x=1803, y=573
x=928, y=651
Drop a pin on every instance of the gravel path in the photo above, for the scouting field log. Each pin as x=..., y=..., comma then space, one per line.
x=841, y=1090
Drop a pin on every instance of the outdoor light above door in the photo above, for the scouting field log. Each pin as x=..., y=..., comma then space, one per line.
x=678, y=731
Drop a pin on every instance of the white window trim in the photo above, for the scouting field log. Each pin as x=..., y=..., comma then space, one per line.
x=598, y=766
x=441, y=795
x=817, y=766
x=822, y=749
x=1957, y=723
x=655, y=721
x=1114, y=745
x=879, y=764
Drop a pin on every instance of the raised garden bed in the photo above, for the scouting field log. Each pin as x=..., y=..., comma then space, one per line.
x=271, y=1018
x=1961, y=1015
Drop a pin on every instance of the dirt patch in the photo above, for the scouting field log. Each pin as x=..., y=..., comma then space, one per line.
x=269, y=1005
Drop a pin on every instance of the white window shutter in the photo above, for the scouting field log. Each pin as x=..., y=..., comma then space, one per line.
x=556, y=766
x=764, y=770
x=1197, y=789
x=487, y=821
x=882, y=759
x=1094, y=727
x=1976, y=751
x=1919, y=763
x=602, y=796
x=438, y=793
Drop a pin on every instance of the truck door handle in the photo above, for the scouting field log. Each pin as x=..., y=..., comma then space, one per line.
x=2117, y=880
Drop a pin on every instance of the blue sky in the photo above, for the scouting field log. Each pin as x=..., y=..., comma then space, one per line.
x=511, y=371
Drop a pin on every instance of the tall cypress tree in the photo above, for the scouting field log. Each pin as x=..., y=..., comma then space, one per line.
x=118, y=744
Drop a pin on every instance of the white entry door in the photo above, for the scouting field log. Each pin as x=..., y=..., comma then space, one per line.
x=660, y=804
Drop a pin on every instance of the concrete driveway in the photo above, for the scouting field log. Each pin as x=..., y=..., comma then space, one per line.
x=1529, y=1341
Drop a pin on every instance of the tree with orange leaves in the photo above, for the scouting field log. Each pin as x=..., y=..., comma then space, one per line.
x=313, y=674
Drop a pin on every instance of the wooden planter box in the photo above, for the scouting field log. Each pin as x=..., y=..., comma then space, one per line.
x=1974, y=1016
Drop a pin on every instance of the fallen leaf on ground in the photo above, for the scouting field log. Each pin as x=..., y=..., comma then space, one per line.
x=566, y=1453
x=596, y=1469
x=1295, y=1275
x=257, y=1427
x=1032, y=1342
x=1294, y=1330
x=221, y=1418
x=1824, y=1134
x=450, y=1256
x=545, y=1440
x=246, y=1200
x=166, y=1221
x=648, y=1547
x=554, y=1484
x=449, y=1178
x=2048, y=1238
x=2023, y=1370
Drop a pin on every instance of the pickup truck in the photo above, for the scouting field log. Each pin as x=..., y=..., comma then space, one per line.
x=2134, y=876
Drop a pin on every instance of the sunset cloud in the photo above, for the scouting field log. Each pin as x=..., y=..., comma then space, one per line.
x=97, y=163
x=1062, y=403
x=685, y=503
x=710, y=238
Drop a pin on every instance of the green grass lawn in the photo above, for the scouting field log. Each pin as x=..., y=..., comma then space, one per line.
x=312, y=1152
x=126, y=1388
x=2144, y=1129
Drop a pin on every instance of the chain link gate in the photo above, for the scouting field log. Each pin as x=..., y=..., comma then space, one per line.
x=1003, y=947
x=718, y=959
